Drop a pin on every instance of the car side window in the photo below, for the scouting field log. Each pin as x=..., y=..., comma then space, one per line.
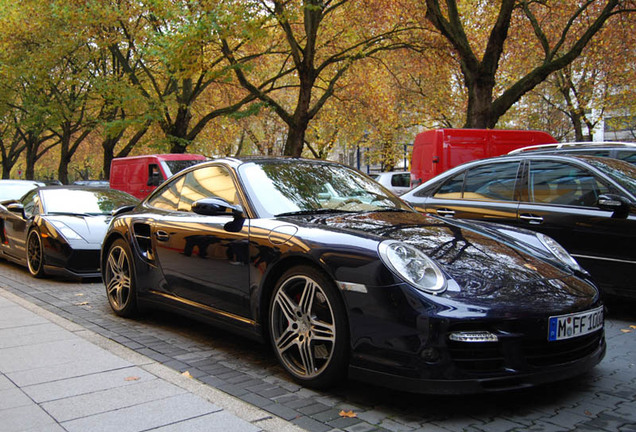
x=30, y=204
x=401, y=180
x=168, y=198
x=452, y=188
x=494, y=181
x=208, y=182
x=563, y=184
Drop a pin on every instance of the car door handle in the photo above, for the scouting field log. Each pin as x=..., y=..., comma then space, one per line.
x=162, y=236
x=446, y=212
x=535, y=220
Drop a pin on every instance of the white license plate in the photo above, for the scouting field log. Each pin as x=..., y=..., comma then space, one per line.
x=576, y=324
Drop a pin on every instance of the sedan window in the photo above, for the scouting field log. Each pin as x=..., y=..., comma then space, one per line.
x=564, y=184
x=491, y=182
x=452, y=189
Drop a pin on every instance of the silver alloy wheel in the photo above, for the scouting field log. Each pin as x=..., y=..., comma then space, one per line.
x=117, y=278
x=35, y=260
x=303, y=327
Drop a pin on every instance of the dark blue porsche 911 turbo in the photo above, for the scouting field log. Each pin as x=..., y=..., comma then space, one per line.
x=342, y=278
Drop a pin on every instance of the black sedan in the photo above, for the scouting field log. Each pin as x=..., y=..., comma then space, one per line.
x=587, y=204
x=59, y=229
x=341, y=276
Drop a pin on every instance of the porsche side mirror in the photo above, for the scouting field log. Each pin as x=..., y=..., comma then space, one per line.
x=216, y=207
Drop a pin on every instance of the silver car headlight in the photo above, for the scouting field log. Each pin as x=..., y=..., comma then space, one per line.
x=66, y=232
x=559, y=252
x=413, y=266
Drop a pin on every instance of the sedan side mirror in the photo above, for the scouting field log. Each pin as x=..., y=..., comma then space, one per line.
x=215, y=207
x=613, y=203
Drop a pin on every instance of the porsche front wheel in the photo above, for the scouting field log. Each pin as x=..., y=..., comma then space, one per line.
x=308, y=327
x=119, y=279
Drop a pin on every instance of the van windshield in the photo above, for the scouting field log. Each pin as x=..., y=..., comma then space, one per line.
x=177, y=165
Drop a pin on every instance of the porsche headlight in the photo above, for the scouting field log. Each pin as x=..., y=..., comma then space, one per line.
x=413, y=266
x=559, y=252
x=66, y=231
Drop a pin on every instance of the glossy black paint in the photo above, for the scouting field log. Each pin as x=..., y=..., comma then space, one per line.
x=77, y=256
x=222, y=268
x=601, y=238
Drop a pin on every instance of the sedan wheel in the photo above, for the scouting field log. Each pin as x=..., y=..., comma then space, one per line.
x=119, y=280
x=35, y=254
x=308, y=328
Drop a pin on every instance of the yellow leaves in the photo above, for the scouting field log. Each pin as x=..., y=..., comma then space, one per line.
x=132, y=378
x=348, y=414
x=187, y=374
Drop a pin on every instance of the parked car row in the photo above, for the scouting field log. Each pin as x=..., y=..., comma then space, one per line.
x=343, y=278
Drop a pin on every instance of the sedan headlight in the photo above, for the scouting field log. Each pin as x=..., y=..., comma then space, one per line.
x=559, y=252
x=413, y=266
x=66, y=231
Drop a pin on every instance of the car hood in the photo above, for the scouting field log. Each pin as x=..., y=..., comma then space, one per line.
x=484, y=265
x=91, y=228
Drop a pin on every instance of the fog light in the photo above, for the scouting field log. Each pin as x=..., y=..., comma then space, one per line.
x=473, y=336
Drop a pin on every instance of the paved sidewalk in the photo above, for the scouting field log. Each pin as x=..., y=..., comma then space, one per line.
x=58, y=376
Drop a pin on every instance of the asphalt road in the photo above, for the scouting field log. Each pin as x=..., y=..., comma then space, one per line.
x=602, y=400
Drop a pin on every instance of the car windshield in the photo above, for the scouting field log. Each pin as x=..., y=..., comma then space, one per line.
x=84, y=202
x=279, y=188
x=620, y=171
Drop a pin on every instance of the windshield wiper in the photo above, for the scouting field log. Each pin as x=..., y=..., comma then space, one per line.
x=392, y=209
x=314, y=211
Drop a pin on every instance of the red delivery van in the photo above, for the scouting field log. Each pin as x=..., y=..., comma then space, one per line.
x=437, y=150
x=140, y=175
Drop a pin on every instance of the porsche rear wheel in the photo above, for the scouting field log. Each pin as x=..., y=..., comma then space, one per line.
x=308, y=327
x=35, y=254
x=119, y=279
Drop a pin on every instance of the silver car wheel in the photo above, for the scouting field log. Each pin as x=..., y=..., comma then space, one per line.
x=303, y=328
x=118, y=278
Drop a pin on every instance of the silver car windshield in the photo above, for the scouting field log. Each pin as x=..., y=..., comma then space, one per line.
x=279, y=188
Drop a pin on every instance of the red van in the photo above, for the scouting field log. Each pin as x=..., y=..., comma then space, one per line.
x=438, y=150
x=140, y=175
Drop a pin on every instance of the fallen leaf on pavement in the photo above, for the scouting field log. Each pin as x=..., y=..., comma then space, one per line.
x=187, y=374
x=632, y=326
x=131, y=378
x=81, y=304
x=350, y=414
x=626, y=330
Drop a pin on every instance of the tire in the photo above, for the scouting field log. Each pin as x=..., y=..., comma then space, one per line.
x=35, y=254
x=308, y=327
x=119, y=279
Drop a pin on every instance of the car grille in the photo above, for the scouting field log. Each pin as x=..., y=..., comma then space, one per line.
x=521, y=354
x=552, y=353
